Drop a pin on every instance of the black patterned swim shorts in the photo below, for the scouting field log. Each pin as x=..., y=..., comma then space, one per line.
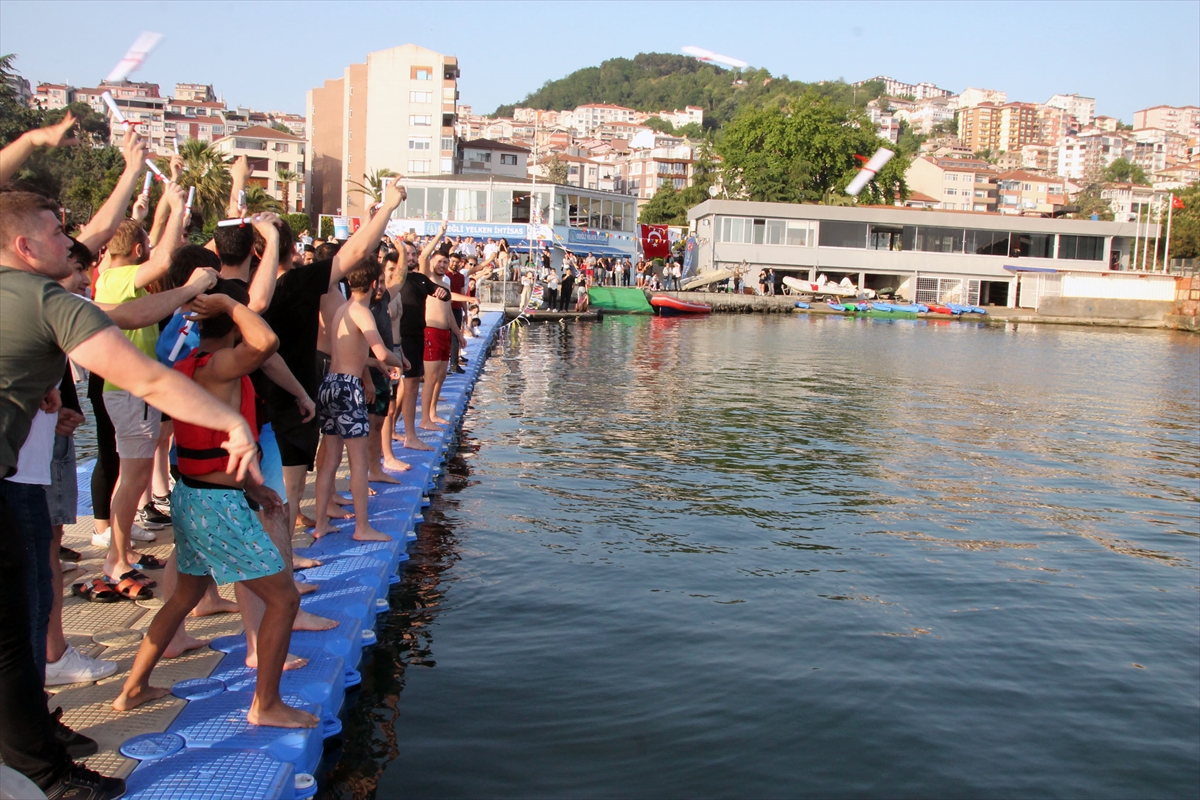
x=342, y=406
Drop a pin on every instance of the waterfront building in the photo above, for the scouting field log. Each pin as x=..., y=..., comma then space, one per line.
x=922, y=255
x=396, y=111
x=267, y=151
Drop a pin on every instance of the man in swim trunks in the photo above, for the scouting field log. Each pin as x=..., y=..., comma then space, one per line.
x=416, y=289
x=439, y=326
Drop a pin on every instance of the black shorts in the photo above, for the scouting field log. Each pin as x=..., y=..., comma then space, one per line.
x=413, y=348
x=297, y=440
x=383, y=394
x=323, y=362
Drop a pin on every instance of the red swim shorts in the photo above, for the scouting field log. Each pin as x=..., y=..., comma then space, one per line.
x=437, y=344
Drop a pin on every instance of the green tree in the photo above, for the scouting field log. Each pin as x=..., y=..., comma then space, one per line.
x=665, y=207
x=801, y=151
x=326, y=228
x=909, y=142
x=279, y=126
x=557, y=171
x=257, y=200
x=659, y=124
x=298, y=222
x=1090, y=202
x=372, y=184
x=207, y=170
x=15, y=116
x=286, y=177
x=1185, y=224
x=1124, y=171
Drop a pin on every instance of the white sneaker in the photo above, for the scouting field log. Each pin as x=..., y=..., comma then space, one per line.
x=75, y=667
x=102, y=539
x=140, y=534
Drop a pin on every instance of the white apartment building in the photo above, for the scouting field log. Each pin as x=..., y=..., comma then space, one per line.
x=679, y=118
x=1177, y=177
x=971, y=97
x=267, y=151
x=585, y=118
x=1084, y=156
x=958, y=184
x=886, y=123
x=923, y=116
x=1154, y=149
x=140, y=103
x=1129, y=200
x=1183, y=120
x=1082, y=109
x=917, y=91
x=487, y=157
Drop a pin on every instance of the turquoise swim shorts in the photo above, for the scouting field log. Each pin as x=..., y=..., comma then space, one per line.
x=217, y=534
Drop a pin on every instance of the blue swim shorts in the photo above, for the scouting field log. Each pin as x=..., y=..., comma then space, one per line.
x=217, y=534
x=342, y=406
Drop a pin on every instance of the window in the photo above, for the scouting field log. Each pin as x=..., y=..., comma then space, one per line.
x=447, y=144
x=797, y=232
x=1032, y=245
x=987, y=243
x=419, y=143
x=434, y=200
x=420, y=119
x=980, y=193
x=981, y=178
x=776, y=231
x=416, y=166
x=414, y=206
x=281, y=147
x=951, y=177
x=735, y=230
x=1027, y=187
x=502, y=205
x=842, y=234
x=447, y=165
x=1082, y=248
x=509, y=159
x=939, y=240
x=951, y=192
x=422, y=73
x=420, y=97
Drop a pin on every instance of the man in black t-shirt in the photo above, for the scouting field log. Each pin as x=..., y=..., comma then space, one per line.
x=417, y=287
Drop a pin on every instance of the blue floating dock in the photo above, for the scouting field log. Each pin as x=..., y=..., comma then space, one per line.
x=210, y=750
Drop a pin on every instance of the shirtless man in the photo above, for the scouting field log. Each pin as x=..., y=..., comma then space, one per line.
x=342, y=402
x=439, y=325
x=414, y=295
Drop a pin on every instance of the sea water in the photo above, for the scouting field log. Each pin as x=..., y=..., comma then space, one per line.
x=772, y=556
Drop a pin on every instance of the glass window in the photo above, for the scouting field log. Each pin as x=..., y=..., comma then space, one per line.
x=448, y=143
x=502, y=205
x=414, y=206
x=417, y=167
x=987, y=243
x=842, y=234
x=509, y=159
x=797, y=232
x=939, y=240
x=1082, y=248
x=447, y=165
x=435, y=201
x=420, y=143
x=560, y=210
x=630, y=216
x=420, y=119
x=776, y=231
x=951, y=177
x=760, y=229
x=420, y=97
x=1032, y=245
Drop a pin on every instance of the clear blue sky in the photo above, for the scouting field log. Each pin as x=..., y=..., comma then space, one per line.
x=267, y=54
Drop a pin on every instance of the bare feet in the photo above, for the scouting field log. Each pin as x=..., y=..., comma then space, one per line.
x=311, y=622
x=336, y=511
x=429, y=425
x=370, y=535
x=208, y=607
x=183, y=643
x=306, y=588
x=396, y=437
x=324, y=530
x=439, y=420
x=342, y=500
x=396, y=465
x=130, y=699
x=300, y=562
x=290, y=663
x=305, y=521
x=280, y=716
x=416, y=444
x=379, y=476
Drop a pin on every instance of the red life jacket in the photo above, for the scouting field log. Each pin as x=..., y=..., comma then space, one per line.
x=198, y=450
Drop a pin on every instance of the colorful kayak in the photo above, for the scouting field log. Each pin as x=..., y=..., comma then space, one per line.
x=672, y=306
x=936, y=309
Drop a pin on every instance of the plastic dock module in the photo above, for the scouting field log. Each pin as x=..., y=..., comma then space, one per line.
x=209, y=750
x=219, y=723
x=211, y=774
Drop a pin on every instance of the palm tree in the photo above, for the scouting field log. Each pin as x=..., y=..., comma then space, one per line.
x=286, y=176
x=257, y=200
x=208, y=171
x=373, y=184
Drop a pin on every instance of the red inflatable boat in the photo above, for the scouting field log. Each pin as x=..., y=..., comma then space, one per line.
x=669, y=306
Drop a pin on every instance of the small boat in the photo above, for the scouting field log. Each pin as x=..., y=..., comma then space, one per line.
x=802, y=304
x=882, y=307
x=934, y=308
x=911, y=308
x=837, y=306
x=670, y=306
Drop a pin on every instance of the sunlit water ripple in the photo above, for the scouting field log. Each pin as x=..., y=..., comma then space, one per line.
x=775, y=557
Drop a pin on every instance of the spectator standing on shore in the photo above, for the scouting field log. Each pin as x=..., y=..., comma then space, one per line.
x=502, y=256
x=552, y=291
x=771, y=282
x=566, y=288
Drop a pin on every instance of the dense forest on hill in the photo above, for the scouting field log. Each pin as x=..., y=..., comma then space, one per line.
x=664, y=81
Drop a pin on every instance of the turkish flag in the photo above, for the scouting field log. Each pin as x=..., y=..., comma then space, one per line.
x=655, y=243
x=1176, y=202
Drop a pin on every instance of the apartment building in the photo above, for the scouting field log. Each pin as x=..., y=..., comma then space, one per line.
x=1022, y=192
x=488, y=157
x=1018, y=126
x=140, y=103
x=643, y=172
x=1040, y=157
x=1082, y=109
x=51, y=96
x=1106, y=123
x=1130, y=202
x=917, y=91
x=195, y=92
x=586, y=118
x=1084, y=156
x=886, y=123
x=971, y=97
x=959, y=184
x=1177, y=176
x=923, y=116
x=1053, y=123
x=978, y=126
x=396, y=111
x=1183, y=120
x=267, y=152
x=1154, y=149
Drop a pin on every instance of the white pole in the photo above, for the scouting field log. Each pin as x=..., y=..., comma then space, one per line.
x=1157, y=230
x=1167, y=250
x=1137, y=233
x=1146, y=241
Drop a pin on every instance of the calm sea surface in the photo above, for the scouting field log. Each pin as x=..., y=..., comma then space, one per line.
x=765, y=556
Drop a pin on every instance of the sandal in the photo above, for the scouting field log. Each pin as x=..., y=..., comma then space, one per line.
x=67, y=554
x=96, y=592
x=146, y=561
x=142, y=580
x=130, y=589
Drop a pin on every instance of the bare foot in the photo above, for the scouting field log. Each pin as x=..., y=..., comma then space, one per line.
x=311, y=622
x=305, y=521
x=207, y=607
x=416, y=444
x=342, y=500
x=429, y=425
x=324, y=530
x=336, y=511
x=370, y=535
x=396, y=437
x=306, y=588
x=183, y=644
x=371, y=492
x=131, y=699
x=396, y=465
x=280, y=716
x=290, y=663
x=438, y=420
x=300, y=562
x=379, y=476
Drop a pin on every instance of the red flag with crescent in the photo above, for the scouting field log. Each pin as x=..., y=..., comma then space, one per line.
x=655, y=243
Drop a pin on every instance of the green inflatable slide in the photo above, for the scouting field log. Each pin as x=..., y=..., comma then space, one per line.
x=614, y=300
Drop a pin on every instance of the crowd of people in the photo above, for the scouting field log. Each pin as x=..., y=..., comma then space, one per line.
x=258, y=358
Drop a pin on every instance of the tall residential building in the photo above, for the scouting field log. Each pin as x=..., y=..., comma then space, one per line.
x=396, y=111
x=917, y=91
x=999, y=128
x=1054, y=123
x=1081, y=108
x=267, y=152
x=1183, y=120
x=978, y=127
x=958, y=184
x=1084, y=156
x=586, y=118
x=1154, y=149
x=972, y=97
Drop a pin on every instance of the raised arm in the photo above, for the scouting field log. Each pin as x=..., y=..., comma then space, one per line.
x=17, y=153
x=104, y=223
x=258, y=344
x=423, y=259
x=110, y=354
x=149, y=309
x=368, y=237
x=262, y=286
x=160, y=256
x=240, y=171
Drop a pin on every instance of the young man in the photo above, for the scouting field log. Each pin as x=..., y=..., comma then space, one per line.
x=381, y=457
x=217, y=536
x=439, y=326
x=342, y=404
x=416, y=290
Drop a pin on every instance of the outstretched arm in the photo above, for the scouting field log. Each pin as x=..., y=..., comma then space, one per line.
x=160, y=256
x=258, y=343
x=17, y=153
x=423, y=259
x=366, y=238
x=104, y=224
x=240, y=171
x=262, y=287
x=149, y=309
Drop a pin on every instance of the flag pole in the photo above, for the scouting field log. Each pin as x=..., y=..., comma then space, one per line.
x=1146, y=241
x=1167, y=251
x=1157, y=231
x=1137, y=231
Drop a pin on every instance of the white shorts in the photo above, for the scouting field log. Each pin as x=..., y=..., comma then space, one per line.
x=136, y=423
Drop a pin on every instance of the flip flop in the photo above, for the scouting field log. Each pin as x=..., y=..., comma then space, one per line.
x=97, y=591
x=141, y=579
x=130, y=589
x=146, y=561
